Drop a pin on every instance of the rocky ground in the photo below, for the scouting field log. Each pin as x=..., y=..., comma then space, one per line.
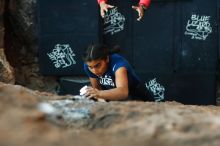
x=38, y=118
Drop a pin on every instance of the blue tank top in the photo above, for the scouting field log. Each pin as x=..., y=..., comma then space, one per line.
x=107, y=80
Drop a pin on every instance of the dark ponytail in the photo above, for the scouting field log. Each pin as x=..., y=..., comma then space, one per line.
x=98, y=51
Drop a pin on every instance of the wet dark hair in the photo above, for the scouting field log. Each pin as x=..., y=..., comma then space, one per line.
x=98, y=51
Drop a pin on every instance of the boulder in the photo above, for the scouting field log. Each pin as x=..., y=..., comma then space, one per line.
x=39, y=118
x=6, y=71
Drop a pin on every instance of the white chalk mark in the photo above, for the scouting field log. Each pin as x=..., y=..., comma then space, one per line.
x=62, y=56
x=113, y=22
x=198, y=27
x=157, y=89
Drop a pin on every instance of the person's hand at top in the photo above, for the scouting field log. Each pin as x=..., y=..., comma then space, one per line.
x=142, y=6
x=140, y=9
x=104, y=8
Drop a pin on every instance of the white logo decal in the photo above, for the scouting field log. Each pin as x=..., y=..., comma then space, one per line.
x=107, y=80
x=157, y=89
x=62, y=56
x=198, y=27
x=113, y=22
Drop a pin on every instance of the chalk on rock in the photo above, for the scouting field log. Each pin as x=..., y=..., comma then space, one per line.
x=79, y=97
x=47, y=108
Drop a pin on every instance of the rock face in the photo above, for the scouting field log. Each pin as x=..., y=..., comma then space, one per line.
x=21, y=46
x=6, y=71
x=2, y=4
x=35, y=118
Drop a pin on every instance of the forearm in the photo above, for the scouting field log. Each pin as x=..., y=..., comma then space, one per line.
x=118, y=93
x=146, y=3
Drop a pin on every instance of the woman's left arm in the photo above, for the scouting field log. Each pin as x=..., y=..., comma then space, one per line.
x=119, y=93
